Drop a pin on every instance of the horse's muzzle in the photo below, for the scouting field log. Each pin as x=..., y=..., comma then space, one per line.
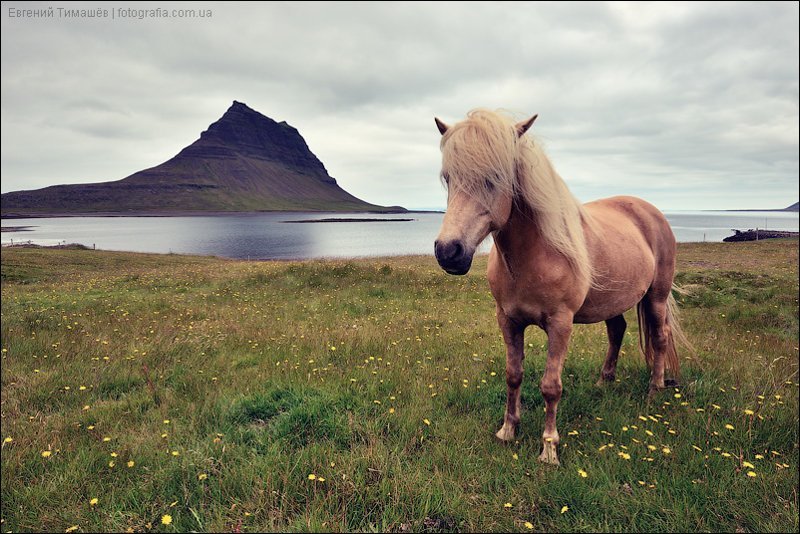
x=453, y=257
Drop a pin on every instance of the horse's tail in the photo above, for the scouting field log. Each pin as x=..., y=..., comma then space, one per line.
x=647, y=327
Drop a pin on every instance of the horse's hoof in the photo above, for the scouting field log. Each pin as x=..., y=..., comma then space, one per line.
x=603, y=380
x=671, y=383
x=506, y=433
x=549, y=454
x=653, y=391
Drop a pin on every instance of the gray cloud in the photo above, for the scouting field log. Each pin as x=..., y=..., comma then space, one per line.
x=689, y=105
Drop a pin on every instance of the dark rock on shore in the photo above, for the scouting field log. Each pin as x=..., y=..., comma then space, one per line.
x=757, y=234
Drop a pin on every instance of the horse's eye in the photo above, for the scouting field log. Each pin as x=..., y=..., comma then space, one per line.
x=489, y=185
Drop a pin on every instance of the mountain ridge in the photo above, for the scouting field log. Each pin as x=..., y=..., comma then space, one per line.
x=243, y=162
x=793, y=207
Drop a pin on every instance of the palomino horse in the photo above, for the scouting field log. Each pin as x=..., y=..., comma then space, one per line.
x=554, y=262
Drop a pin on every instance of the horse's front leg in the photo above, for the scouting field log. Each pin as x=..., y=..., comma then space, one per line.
x=513, y=335
x=558, y=330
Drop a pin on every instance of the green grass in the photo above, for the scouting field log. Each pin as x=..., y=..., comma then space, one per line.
x=258, y=374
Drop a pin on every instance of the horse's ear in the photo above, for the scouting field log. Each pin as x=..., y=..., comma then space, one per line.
x=523, y=126
x=442, y=126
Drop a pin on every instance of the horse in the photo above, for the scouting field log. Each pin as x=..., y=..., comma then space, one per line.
x=555, y=262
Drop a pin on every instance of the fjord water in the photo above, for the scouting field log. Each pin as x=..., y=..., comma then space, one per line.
x=269, y=236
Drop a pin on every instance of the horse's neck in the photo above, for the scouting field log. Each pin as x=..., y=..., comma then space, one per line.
x=518, y=237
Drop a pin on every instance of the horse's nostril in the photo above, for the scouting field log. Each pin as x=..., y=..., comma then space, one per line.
x=449, y=251
x=457, y=250
x=453, y=256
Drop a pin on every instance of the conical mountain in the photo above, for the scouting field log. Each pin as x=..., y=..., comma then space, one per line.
x=243, y=162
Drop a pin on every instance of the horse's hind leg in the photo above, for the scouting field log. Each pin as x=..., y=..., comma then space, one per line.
x=616, y=331
x=658, y=332
x=513, y=335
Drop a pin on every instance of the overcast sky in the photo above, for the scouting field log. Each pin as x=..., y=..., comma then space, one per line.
x=688, y=105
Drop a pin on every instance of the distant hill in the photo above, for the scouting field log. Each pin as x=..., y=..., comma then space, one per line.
x=243, y=162
x=793, y=207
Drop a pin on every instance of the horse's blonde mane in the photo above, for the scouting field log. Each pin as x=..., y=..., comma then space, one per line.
x=483, y=155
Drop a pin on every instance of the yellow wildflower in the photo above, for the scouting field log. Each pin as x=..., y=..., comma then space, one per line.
x=166, y=519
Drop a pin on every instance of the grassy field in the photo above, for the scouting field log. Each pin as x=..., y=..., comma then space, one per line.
x=170, y=393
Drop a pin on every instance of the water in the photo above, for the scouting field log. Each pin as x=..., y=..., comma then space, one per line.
x=693, y=226
x=267, y=236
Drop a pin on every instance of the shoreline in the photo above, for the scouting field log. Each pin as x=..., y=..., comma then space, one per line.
x=784, y=210
x=347, y=220
x=168, y=213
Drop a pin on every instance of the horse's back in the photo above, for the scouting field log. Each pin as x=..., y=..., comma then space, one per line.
x=632, y=211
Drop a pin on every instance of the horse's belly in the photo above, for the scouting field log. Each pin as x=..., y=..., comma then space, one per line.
x=607, y=305
x=617, y=293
